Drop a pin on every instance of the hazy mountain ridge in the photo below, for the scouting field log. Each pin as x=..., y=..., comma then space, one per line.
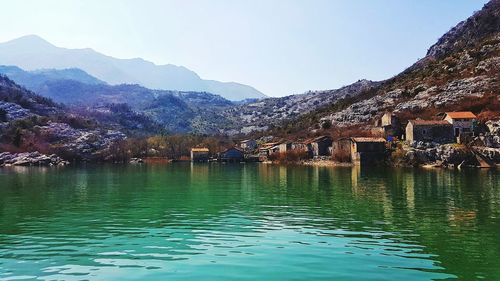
x=32, y=52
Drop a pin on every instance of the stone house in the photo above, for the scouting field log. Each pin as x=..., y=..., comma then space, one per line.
x=359, y=150
x=341, y=150
x=388, y=119
x=285, y=146
x=267, y=149
x=199, y=154
x=462, y=121
x=320, y=146
x=248, y=145
x=439, y=131
x=388, y=125
x=233, y=155
x=367, y=150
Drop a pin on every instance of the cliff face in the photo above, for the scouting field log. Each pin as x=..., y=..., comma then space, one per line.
x=460, y=72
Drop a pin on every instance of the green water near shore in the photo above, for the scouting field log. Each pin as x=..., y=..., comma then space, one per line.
x=248, y=222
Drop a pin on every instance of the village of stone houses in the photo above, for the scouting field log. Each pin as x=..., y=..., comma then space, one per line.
x=452, y=140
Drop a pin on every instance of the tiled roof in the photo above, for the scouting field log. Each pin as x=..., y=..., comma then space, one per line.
x=199, y=149
x=367, y=139
x=429, y=122
x=461, y=115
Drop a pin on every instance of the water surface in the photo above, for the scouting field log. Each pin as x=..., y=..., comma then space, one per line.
x=248, y=222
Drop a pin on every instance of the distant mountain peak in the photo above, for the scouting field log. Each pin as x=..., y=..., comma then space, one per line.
x=30, y=40
x=31, y=52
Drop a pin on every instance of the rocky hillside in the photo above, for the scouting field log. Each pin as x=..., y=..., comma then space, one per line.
x=29, y=122
x=176, y=111
x=261, y=114
x=460, y=72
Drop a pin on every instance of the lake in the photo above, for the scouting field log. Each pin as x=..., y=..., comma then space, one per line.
x=188, y=221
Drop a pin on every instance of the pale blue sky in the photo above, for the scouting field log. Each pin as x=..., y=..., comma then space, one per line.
x=281, y=47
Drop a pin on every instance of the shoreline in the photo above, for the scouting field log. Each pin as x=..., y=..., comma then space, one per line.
x=35, y=159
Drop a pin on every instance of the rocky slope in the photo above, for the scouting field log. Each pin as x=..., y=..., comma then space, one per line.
x=460, y=72
x=29, y=122
x=261, y=114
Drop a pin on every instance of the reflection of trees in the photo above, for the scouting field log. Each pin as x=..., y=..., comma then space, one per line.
x=453, y=214
x=449, y=212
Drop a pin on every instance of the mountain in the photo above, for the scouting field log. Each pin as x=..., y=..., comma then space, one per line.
x=460, y=72
x=261, y=114
x=176, y=111
x=32, y=52
x=29, y=122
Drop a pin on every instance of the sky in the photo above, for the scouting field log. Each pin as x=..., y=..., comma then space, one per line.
x=280, y=47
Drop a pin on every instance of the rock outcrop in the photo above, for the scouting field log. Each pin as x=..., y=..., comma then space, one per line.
x=30, y=159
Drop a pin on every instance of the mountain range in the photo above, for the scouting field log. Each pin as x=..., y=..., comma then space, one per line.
x=459, y=72
x=31, y=52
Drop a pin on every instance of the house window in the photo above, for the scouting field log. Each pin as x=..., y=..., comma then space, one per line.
x=424, y=132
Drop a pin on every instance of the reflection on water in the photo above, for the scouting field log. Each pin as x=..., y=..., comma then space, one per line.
x=234, y=222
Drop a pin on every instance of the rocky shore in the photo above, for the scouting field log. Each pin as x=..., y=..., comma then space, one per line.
x=446, y=155
x=30, y=159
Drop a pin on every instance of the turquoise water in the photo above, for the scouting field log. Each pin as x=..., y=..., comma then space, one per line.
x=248, y=222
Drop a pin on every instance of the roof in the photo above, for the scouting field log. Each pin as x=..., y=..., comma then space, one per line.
x=461, y=115
x=199, y=149
x=233, y=148
x=316, y=139
x=420, y=122
x=269, y=144
x=367, y=139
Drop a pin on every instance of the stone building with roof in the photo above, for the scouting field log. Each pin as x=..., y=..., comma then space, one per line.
x=199, y=154
x=440, y=131
x=359, y=150
x=462, y=121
